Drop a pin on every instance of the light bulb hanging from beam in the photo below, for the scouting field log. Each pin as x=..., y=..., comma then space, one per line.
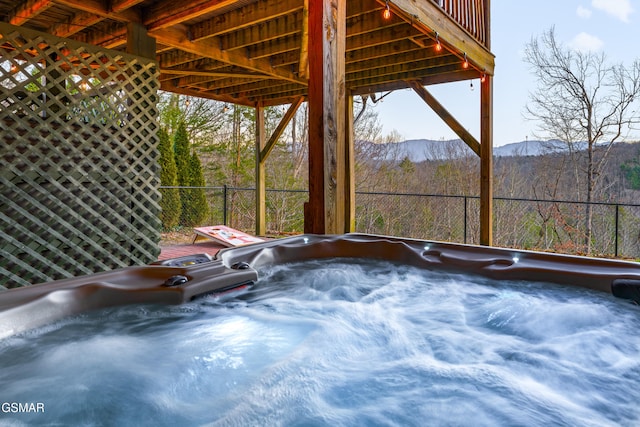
x=386, y=13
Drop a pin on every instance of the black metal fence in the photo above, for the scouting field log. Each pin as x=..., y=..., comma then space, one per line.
x=548, y=225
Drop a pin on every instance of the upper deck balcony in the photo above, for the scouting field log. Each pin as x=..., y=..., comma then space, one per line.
x=256, y=51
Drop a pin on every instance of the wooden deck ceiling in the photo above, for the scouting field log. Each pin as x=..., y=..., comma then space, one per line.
x=254, y=52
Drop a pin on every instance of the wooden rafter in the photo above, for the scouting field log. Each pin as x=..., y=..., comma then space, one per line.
x=120, y=5
x=274, y=29
x=98, y=8
x=75, y=24
x=170, y=12
x=205, y=73
x=211, y=48
x=252, y=14
x=26, y=10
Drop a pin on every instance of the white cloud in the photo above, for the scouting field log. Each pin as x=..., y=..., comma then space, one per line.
x=583, y=12
x=586, y=42
x=620, y=9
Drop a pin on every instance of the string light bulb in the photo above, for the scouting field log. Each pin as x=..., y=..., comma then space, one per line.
x=483, y=78
x=14, y=68
x=438, y=44
x=465, y=63
x=386, y=13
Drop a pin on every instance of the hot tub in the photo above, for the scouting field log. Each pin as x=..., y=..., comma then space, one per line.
x=330, y=330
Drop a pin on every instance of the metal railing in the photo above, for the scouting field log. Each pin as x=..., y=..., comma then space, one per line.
x=536, y=224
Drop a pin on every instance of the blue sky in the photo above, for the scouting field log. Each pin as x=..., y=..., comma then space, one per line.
x=612, y=26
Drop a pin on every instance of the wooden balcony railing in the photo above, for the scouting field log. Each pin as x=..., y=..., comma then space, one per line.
x=470, y=14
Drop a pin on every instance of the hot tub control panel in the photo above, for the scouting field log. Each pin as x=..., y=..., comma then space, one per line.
x=185, y=261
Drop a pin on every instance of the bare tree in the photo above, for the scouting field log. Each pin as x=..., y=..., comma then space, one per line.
x=584, y=102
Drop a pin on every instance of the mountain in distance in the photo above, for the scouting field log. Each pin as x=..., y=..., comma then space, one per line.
x=419, y=150
x=531, y=148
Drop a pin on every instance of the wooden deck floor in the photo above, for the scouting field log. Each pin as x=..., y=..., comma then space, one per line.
x=175, y=251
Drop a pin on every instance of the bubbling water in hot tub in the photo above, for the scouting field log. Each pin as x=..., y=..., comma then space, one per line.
x=340, y=342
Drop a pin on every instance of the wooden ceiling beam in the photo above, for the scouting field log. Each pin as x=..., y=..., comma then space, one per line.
x=285, y=90
x=120, y=5
x=170, y=12
x=225, y=88
x=276, y=28
x=384, y=51
x=220, y=85
x=216, y=83
x=201, y=64
x=104, y=34
x=445, y=74
x=169, y=87
x=26, y=10
x=98, y=8
x=77, y=23
x=415, y=59
x=286, y=59
x=279, y=98
x=210, y=48
x=370, y=22
x=419, y=67
x=204, y=73
x=380, y=37
x=282, y=100
x=174, y=58
x=246, y=16
x=217, y=86
x=356, y=8
x=274, y=47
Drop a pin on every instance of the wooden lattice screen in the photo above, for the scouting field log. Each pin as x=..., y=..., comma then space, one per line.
x=78, y=158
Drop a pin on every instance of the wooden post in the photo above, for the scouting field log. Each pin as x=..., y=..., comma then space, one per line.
x=263, y=149
x=350, y=184
x=325, y=211
x=139, y=42
x=486, y=144
x=260, y=173
x=486, y=161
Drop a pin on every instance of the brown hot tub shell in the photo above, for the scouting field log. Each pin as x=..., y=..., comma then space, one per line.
x=176, y=283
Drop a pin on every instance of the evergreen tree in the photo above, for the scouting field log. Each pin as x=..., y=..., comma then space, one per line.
x=199, y=208
x=194, y=207
x=183, y=157
x=631, y=172
x=170, y=203
x=182, y=153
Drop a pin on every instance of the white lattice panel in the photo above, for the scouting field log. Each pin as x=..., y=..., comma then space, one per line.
x=78, y=158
